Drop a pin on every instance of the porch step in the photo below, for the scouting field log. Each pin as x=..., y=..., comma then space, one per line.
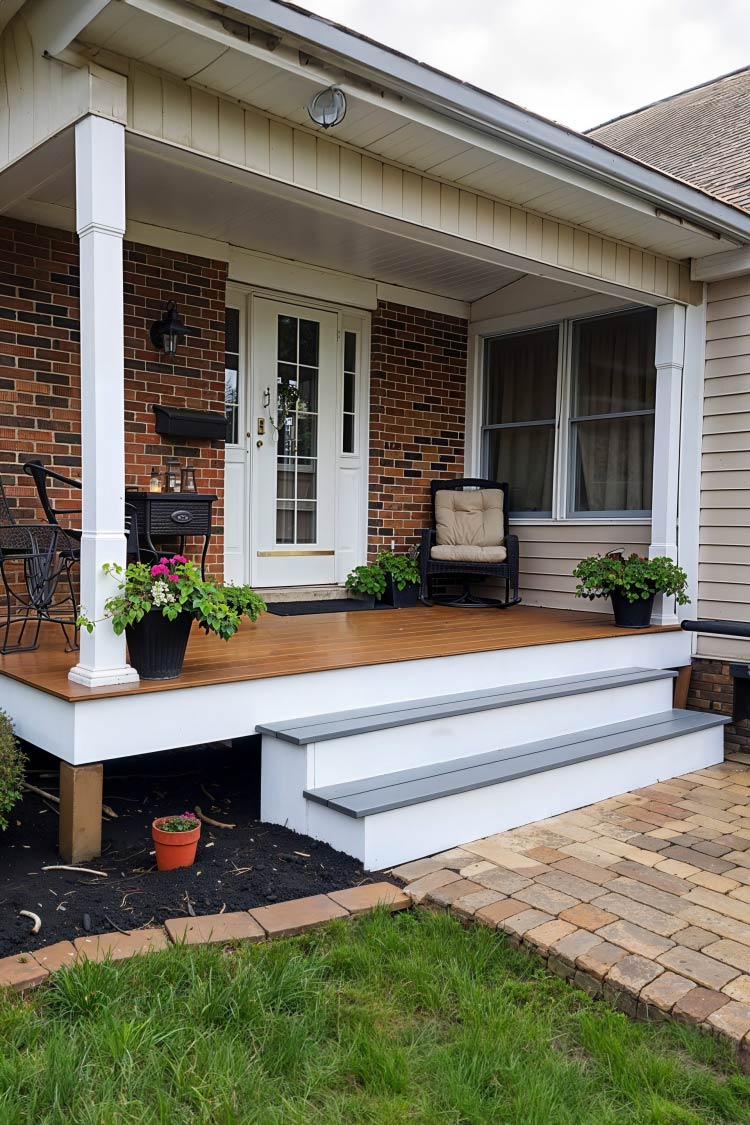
x=310, y=753
x=302, y=593
x=341, y=724
x=391, y=818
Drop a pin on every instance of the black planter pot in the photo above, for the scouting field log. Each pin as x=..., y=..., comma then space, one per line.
x=157, y=645
x=632, y=615
x=400, y=599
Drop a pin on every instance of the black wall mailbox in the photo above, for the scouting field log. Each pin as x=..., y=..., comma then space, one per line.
x=179, y=422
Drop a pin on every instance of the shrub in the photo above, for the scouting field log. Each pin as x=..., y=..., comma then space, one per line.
x=12, y=762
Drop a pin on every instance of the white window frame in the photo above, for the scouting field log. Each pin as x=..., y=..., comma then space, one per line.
x=563, y=470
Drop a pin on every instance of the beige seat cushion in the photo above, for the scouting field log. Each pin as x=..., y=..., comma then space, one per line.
x=469, y=554
x=469, y=519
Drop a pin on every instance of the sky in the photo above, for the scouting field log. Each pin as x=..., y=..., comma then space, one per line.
x=579, y=62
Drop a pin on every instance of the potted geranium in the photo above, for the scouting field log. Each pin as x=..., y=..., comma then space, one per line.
x=632, y=583
x=156, y=605
x=391, y=577
x=175, y=840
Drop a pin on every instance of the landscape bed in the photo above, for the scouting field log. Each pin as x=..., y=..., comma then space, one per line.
x=380, y=1018
x=252, y=864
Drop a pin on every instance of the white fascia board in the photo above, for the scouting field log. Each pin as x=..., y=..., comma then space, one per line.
x=485, y=112
x=717, y=267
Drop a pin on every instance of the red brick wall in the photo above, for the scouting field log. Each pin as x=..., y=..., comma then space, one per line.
x=39, y=361
x=711, y=689
x=417, y=417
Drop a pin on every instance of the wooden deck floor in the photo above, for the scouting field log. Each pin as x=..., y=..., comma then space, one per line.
x=284, y=646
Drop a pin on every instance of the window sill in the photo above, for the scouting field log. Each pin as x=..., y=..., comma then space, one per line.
x=577, y=521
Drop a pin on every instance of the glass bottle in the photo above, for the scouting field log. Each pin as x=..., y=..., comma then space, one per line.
x=187, y=479
x=154, y=484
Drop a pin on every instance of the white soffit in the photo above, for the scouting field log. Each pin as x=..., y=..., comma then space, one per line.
x=193, y=44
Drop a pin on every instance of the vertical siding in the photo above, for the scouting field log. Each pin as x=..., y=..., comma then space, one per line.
x=723, y=572
x=163, y=107
x=550, y=551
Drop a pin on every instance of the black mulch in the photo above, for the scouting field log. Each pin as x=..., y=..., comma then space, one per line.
x=252, y=864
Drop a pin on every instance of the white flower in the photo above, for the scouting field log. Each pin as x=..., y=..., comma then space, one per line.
x=161, y=593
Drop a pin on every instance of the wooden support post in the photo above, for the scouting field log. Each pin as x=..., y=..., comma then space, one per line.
x=80, y=812
x=682, y=687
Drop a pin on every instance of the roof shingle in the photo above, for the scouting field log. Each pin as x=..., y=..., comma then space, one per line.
x=701, y=135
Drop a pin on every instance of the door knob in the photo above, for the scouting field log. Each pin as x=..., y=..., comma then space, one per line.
x=259, y=443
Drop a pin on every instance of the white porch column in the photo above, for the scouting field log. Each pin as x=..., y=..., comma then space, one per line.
x=100, y=215
x=670, y=355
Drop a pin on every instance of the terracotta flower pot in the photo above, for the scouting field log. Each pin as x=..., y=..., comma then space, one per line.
x=174, y=849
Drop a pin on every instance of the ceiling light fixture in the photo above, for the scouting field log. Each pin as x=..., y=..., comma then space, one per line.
x=328, y=107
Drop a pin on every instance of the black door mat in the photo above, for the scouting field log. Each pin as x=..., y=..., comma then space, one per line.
x=331, y=605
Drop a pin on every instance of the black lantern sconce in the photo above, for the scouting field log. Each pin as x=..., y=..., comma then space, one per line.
x=167, y=332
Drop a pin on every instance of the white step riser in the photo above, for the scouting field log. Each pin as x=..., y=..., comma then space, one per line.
x=440, y=740
x=386, y=839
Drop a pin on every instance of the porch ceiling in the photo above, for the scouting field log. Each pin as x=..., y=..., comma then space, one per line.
x=168, y=188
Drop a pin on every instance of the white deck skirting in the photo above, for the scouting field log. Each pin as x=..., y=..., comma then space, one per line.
x=101, y=729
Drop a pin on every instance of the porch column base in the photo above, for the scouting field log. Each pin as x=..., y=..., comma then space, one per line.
x=81, y=812
x=665, y=609
x=102, y=677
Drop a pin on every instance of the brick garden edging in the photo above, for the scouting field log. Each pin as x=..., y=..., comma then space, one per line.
x=634, y=983
x=24, y=971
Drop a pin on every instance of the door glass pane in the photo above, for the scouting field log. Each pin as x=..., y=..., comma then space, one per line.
x=297, y=421
x=614, y=460
x=288, y=338
x=523, y=456
x=309, y=342
x=350, y=383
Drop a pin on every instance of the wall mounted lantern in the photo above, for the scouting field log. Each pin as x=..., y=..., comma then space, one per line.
x=167, y=332
x=328, y=107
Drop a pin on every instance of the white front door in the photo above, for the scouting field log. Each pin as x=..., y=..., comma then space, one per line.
x=294, y=352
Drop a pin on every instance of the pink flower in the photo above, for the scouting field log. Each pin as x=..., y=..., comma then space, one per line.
x=163, y=561
x=158, y=569
x=178, y=559
x=174, y=578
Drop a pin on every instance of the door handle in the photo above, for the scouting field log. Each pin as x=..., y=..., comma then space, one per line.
x=259, y=443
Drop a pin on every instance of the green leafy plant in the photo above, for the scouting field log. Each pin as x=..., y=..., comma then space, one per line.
x=371, y=580
x=12, y=763
x=174, y=586
x=186, y=822
x=634, y=577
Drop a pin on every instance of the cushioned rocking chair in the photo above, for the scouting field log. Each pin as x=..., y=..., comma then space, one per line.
x=469, y=539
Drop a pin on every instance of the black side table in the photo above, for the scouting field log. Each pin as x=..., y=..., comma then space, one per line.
x=167, y=515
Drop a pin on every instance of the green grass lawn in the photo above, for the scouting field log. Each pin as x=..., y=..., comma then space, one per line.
x=387, y=1019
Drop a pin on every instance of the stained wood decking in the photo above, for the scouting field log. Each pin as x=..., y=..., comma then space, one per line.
x=285, y=646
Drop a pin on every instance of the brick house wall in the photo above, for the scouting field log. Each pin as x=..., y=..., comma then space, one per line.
x=417, y=417
x=39, y=361
x=711, y=689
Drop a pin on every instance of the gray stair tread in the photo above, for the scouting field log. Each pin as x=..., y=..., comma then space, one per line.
x=371, y=795
x=339, y=724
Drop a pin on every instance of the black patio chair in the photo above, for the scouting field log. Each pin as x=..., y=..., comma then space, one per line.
x=41, y=474
x=469, y=539
x=37, y=586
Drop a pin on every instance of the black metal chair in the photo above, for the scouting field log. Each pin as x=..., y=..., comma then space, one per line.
x=37, y=586
x=470, y=562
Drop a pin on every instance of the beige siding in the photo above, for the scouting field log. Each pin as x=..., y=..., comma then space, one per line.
x=163, y=107
x=550, y=551
x=723, y=571
x=40, y=96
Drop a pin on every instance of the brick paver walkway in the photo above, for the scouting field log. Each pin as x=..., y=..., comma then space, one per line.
x=644, y=898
